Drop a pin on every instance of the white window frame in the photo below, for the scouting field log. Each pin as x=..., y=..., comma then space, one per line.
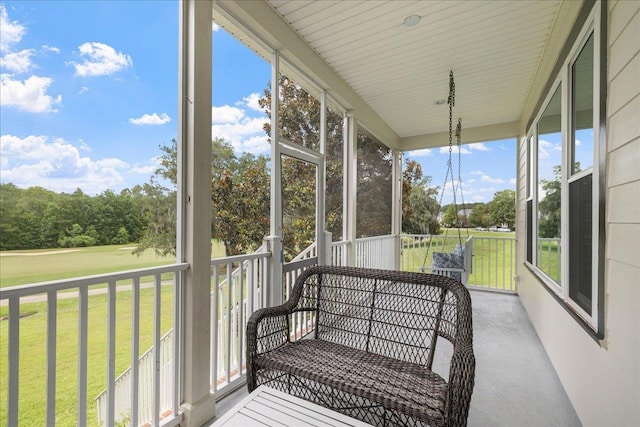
x=591, y=26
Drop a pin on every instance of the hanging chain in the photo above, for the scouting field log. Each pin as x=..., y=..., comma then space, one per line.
x=464, y=208
x=452, y=102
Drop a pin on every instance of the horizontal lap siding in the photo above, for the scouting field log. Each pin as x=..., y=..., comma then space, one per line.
x=620, y=371
x=602, y=381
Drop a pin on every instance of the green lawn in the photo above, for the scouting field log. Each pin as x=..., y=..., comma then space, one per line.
x=25, y=267
x=549, y=259
x=59, y=264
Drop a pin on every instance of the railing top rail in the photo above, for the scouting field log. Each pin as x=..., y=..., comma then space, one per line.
x=494, y=238
x=442, y=236
x=340, y=243
x=240, y=258
x=305, y=253
x=81, y=282
x=426, y=236
x=368, y=239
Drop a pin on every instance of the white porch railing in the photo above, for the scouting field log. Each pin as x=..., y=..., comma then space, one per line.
x=148, y=391
x=84, y=288
x=226, y=362
x=339, y=253
x=492, y=264
x=146, y=371
x=548, y=257
x=240, y=283
x=376, y=252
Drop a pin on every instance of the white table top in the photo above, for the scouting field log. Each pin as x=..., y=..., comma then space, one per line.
x=266, y=406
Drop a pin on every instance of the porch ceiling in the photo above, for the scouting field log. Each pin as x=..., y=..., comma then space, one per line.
x=493, y=47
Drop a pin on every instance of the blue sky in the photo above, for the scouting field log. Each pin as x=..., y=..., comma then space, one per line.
x=89, y=92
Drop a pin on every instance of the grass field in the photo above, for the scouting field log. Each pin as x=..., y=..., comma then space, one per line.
x=23, y=267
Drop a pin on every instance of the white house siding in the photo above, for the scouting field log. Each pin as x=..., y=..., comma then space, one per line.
x=603, y=381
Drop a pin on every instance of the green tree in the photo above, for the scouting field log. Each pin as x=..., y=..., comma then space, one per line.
x=374, y=198
x=419, y=203
x=479, y=216
x=9, y=216
x=240, y=199
x=75, y=237
x=450, y=216
x=502, y=209
x=549, y=207
x=160, y=207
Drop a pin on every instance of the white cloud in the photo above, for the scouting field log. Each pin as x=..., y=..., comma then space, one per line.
x=513, y=181
x=244, y=133
x=83, y=90
x=226, y=114
x=543, y=148
x=478, y=146
x=100, y=60
x=18, y=62
x=214, y=27
x=30, y=95
x=252, y=101
x=454, y=150
x=59, y=166
x=11, y=32
x=487, y=178
x=48, y=48
x=477, y=172
x=425, y=152
x=151, y=119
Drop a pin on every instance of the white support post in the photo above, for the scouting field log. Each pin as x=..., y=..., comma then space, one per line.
x=194, y=192
x=276, y=170
x=396, y=208
x=274, y=293
x=321, y=185
x=350, y=185
x=324, y=256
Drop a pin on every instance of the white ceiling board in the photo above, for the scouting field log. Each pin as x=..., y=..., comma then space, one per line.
x=493, y=47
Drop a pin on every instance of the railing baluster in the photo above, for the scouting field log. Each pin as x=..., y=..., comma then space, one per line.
x=504, y=281
x=177, y=340
x=135, y=348
x=511, y=281
x=229, y=320
x=156, y=348
x=83, y=310
x=111, y=353
x=14, y=360
x=240, y=318
x=52, y=312
x=213, y=374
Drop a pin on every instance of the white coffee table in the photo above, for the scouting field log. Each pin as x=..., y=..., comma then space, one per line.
x=266, y=406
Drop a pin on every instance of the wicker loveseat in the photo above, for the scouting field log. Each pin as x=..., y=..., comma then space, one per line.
x=371, y=352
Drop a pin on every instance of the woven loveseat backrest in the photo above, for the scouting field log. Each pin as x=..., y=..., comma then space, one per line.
x=391, y=313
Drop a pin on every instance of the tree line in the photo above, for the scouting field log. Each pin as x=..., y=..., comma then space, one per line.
x=501, y=210
x=37, y=218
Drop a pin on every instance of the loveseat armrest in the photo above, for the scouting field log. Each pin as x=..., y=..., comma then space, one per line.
x=461, y=382
x=267, y=330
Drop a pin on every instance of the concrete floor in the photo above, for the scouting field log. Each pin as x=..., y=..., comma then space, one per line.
x=516, y=384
